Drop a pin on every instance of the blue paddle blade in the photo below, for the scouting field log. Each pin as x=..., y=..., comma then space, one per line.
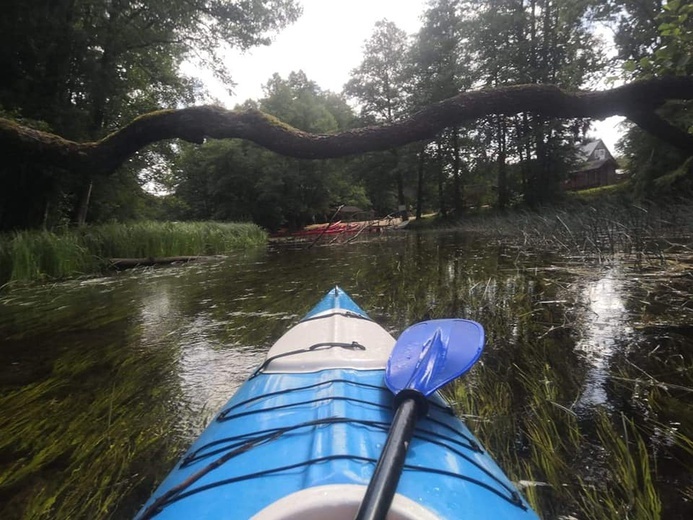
x=432, y=353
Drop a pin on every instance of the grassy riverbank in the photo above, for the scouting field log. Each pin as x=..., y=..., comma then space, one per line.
x=584, y=227
x=39, y=255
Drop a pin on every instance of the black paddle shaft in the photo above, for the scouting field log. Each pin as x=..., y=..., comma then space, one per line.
x=383, y=485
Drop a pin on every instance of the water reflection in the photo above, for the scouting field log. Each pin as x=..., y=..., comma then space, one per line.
x=157, y=315
x=603, y=329
x=210, y=369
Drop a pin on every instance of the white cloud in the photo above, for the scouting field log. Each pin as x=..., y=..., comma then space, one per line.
x=326, y=43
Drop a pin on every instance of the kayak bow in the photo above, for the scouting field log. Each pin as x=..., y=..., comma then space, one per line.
x=300, y=439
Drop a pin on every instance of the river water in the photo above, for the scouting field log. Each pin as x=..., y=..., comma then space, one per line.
x=105, y=381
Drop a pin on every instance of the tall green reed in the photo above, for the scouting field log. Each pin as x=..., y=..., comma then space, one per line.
x=593, y=229
x=33, y=255
x=37, y=255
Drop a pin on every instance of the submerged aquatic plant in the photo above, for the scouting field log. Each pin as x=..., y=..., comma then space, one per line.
x=625, y=462
x=610, y=460
x=75, y=444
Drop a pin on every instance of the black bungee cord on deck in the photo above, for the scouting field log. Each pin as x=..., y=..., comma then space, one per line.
x=513, y=497
x=237, y=440
x=224, y=413
x=354, y=345
x=262, y=437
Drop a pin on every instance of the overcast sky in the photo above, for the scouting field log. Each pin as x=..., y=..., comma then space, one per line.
x=327, y=43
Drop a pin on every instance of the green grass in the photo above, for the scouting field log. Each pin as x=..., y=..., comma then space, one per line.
x=623, y=190
x=574, y=462
x=597, y=223
x=595, y=230
x=567, y=469
x=71, y=453
x=40, y=255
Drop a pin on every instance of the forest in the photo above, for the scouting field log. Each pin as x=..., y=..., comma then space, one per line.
x=83, y=71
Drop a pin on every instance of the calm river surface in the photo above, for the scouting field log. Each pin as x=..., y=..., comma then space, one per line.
x=583, y=394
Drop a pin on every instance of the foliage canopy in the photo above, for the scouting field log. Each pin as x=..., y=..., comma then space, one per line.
x=82, y=69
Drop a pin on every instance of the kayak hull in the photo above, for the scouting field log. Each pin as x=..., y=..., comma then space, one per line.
x=301, y=441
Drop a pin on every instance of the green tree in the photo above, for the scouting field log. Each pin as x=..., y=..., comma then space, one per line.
x=378, y=85
x=440, y=65
x=302, y=191
x=85, y=67
x=655, y=38
x=534, y=41
x=496, y=44
x=236, y=180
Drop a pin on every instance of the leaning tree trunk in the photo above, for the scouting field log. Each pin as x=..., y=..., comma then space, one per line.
x=83, y=209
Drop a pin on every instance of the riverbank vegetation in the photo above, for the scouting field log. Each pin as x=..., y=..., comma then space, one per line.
x=502, y=160
x=41, y=255
x=594, y=224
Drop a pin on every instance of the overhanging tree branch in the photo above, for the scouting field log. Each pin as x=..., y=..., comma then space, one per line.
x=636, y=101
x=651, y=122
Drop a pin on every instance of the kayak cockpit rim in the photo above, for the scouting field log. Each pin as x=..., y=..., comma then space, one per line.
x=336, y=340
x=337, y=502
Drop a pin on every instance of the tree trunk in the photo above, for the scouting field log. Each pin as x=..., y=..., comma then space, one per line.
x=527, y=168
x=533, y=42
x=85, y=197
x=636, y=101
x=46, y=212
x=420, y=183
x=502, y=170
x=441, y=181
x=458, y=203
x=127, y=263
x=539, y=178
x=400, y=186
x=98, y=108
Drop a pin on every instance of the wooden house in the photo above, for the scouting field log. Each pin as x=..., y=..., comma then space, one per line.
x=597, y=167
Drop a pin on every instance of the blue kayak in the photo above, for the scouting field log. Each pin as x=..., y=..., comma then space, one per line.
x=301, y=437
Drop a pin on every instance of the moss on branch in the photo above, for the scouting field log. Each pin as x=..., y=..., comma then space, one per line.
x=637, y=101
